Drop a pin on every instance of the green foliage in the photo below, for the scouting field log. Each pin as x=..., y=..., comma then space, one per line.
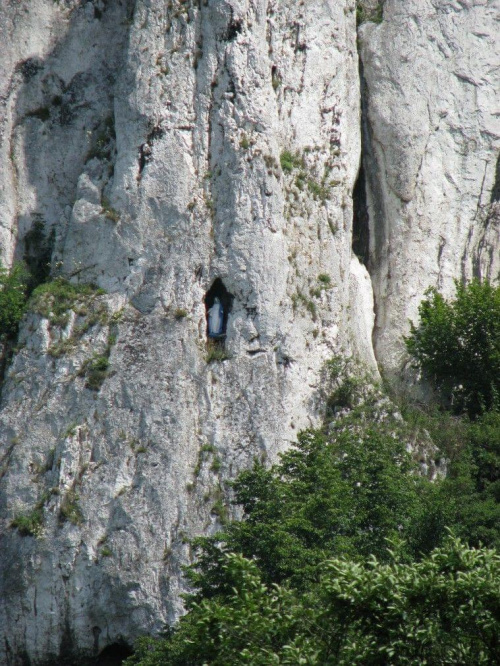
x=216, y=352
x=341, y=494
x=54, y=299
x=441, y=611
x=97, y=371
x=290, y=161
x=470, y=495
x=70, y=509
x=13, y=290
x=366, y=13
x=108, y=210
x=319, y=191
x=309, y=305
x=29, y=524
x=457, y=345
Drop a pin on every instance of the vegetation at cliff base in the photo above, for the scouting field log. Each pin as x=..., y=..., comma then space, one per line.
x=440, y=610
x=347, y=551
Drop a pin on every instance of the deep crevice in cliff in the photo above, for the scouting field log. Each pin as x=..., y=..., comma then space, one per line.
x=361, y=219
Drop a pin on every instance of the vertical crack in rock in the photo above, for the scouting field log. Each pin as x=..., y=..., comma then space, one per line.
x=361, y=219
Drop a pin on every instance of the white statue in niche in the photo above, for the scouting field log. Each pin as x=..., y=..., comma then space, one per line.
x=215, y=319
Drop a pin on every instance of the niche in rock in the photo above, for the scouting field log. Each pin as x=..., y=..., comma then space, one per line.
x=218, y=305
x=360, y=222
x=114, y=655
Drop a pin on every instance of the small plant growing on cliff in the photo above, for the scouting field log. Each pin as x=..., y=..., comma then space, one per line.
x=457, y=345
x=108, y=210
x=53, y=299
x=215, y=352
x=70, y=509
x=180, y=313
x=29, y=524
x=96, y=371
x=368, y=12
x=290, y=161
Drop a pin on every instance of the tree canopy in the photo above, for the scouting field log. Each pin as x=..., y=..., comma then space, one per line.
x=457, y=345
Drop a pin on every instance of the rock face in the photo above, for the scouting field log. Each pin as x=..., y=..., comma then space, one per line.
x=172, y=151
x=432, y=147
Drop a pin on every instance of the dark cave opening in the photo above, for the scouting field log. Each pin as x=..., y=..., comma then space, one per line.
x=218, y=291
x=114, y=655
x=361, y=219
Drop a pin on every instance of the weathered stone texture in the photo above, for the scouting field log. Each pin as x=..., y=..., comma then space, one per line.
x=148, y=135
x=431, y=95
x=157, y=161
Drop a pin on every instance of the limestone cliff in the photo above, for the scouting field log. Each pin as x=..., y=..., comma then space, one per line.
x=174, y=150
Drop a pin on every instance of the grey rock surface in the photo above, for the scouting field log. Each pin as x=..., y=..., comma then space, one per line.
x=167, y=145
x=149, y=137
x=431, y=82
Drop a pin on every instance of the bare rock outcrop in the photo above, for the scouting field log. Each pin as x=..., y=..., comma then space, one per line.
x=432, y=148
x=170, y=151
x=171, y=148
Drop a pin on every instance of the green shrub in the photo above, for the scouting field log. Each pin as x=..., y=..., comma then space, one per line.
x=470, y=495
x=70, y=509
x=95, y=370
x=442, y=610
x=342, y=556
x=457, y=345
x=29, y=524
x=13, y=290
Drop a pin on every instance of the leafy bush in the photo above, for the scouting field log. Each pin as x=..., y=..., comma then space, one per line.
x=344, y=494
x=13, y=289
x=95, y=369
x=457, y=345
x=470, y=495
x=442, y=610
